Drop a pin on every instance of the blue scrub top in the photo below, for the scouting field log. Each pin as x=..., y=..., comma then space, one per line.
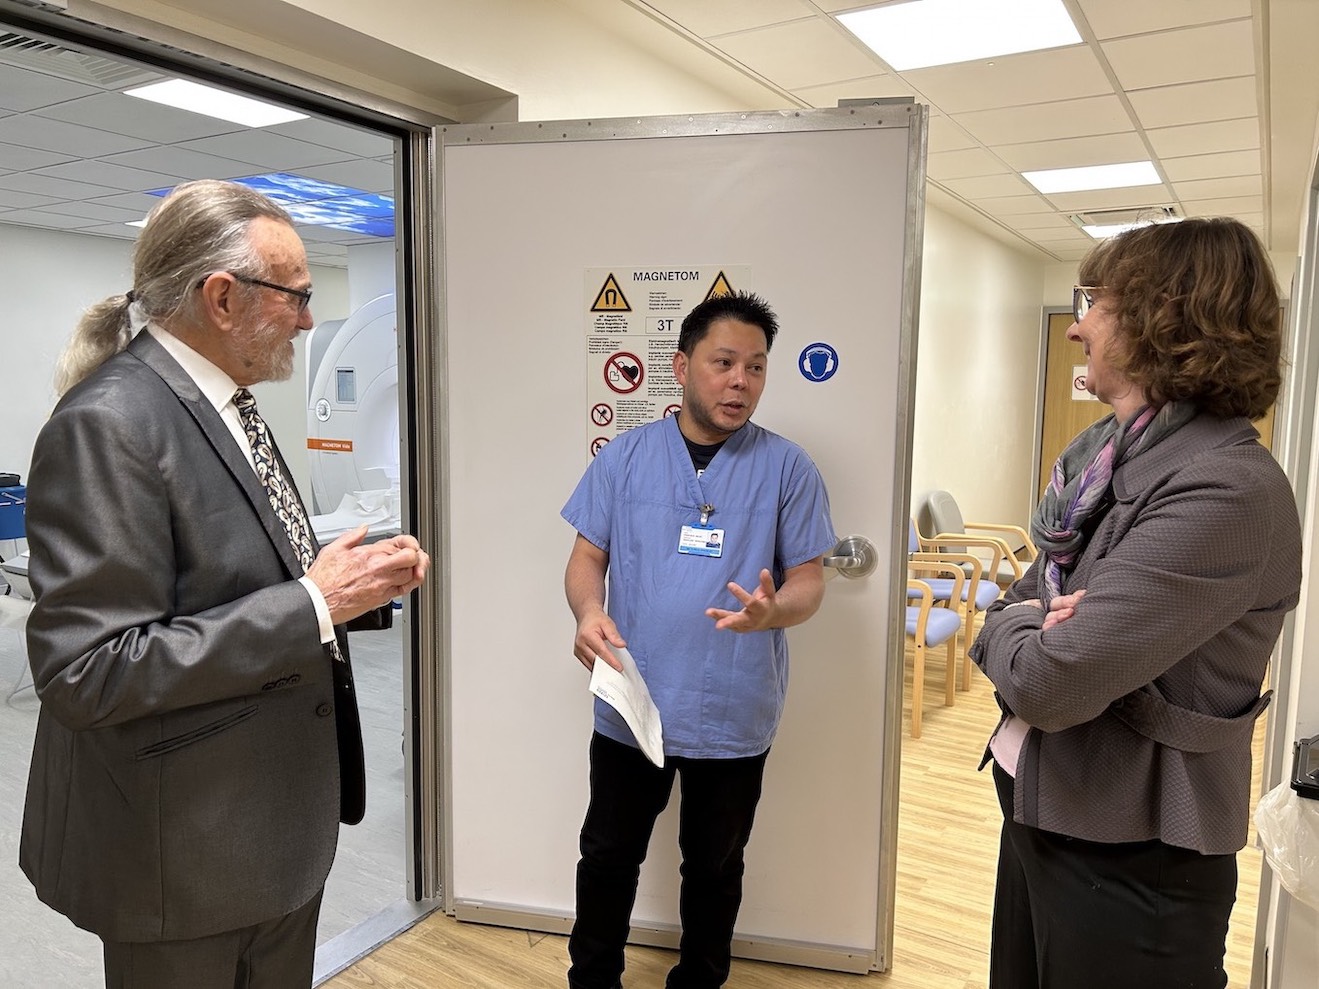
x=720, y=694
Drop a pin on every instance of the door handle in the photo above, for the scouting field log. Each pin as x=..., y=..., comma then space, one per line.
x=853, y=557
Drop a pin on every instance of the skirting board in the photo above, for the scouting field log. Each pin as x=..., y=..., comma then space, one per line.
x=831, y=958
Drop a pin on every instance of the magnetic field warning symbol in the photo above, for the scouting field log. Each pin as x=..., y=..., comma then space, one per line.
x=720, y=286
x=624, y=372
x=610, y=298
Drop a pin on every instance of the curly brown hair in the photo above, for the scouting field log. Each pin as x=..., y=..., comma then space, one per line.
x=1197, y=312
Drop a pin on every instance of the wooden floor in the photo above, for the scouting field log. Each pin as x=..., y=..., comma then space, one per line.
x=947, y=846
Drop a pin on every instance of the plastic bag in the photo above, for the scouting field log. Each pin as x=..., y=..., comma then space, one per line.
x=1288, y=827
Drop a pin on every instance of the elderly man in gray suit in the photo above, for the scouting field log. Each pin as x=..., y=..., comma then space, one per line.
x=198, y=742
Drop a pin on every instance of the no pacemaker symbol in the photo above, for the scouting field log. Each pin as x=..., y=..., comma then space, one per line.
x=624, y=372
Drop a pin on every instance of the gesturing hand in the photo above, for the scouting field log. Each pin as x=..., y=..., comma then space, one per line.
x=758, y=609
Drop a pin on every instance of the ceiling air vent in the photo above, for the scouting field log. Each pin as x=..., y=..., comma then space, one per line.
x=75, y=66
x=1121, y=217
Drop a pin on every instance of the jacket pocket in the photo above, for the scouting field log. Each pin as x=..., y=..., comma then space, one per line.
x=196, y=735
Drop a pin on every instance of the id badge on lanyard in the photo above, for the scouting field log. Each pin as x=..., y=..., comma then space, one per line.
x=701, y=538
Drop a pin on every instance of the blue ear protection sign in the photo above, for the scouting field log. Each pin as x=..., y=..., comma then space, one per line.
x=818, y=362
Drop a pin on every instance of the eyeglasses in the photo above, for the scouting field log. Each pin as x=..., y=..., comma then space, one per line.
x=302, y=295
x=1082, y=299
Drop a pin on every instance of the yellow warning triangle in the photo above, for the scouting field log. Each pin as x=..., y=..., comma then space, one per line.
x=720, y=287
x=611, y=298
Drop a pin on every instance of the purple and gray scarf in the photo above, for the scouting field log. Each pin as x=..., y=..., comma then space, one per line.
x=1081, y=480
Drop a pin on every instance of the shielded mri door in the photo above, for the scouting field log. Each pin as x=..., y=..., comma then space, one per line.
x=821, y=213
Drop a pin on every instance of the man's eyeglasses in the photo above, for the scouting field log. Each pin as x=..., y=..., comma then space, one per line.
x=302, y=295
x=1083, y=297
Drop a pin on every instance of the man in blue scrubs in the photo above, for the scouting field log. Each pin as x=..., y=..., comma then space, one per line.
x=711, y=532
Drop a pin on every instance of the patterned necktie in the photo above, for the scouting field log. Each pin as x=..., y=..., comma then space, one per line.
x=283, y=497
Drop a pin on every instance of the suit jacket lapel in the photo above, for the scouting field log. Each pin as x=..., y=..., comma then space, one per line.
x=145, y=348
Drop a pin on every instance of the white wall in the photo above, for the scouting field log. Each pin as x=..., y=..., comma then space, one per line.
x=50, y=278
x=976, y=372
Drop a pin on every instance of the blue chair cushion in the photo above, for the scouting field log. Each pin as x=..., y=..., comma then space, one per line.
x=986, y=593
x=941, y=626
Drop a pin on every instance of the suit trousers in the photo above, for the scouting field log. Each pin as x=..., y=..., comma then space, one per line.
x=628, y=792
x=275, y=954
x=1075, y=914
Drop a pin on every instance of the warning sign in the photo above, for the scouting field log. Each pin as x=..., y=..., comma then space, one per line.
x=624, y=372
x=610, y=298
x=1079, y=392
x=632, y=317
x=720, y=286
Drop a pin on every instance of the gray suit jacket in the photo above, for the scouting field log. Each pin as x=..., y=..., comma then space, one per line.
x=194, y=733
x=1143, y=702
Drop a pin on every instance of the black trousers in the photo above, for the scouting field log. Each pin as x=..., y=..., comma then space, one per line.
x=628, y=792
x=1074, y=914
x=275, y=954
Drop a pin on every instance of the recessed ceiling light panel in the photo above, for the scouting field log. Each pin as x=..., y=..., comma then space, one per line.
x=921, y=33
x=1088, y=177
x=213, y=102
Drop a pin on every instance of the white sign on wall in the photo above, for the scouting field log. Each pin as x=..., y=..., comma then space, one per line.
x=633, y=316
x=1079, y=394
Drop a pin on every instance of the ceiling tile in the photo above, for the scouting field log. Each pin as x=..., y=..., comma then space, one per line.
x=56, y=135
x=1080, y=202
x=46, y=185
x=1211, y=166
x=340, y=137
x=181, y=161
x=1012, y=80
x=21, y=89
x=110, y=175
x=1116, y=18
x=1222, y=188
x=801, y=54
x=120, y=231
x=152, y=122
x=870, y=87
x=944, y=135
x=89, y=211
x=137, y=202
x=1195, y=102
x=268, y=152
x=1213, y=51
x=1223, y=207
x=36, y=218
x=960, y=164
x=1007, y=184
x=18, y=159
x=1036, y=222
x=1047, y=121
x=367, y=175
x=706, y=19
x=1013, y=205
x=10, y=199
x=1073, y=152
x=1202, y=139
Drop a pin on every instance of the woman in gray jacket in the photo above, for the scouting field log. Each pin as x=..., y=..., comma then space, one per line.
x=1129, y=660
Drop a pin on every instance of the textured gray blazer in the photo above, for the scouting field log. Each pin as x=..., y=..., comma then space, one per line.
x=194, y=733
x=1142, y=703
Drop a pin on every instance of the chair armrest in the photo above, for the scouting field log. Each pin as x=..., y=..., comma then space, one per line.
x=1016, y=530
x=1000, y=548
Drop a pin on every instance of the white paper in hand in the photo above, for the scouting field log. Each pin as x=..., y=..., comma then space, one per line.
x=627, y=694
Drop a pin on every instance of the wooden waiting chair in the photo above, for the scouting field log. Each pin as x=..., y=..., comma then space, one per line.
x=929, y=626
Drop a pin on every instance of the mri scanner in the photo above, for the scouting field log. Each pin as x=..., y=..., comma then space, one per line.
x=352, y=422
